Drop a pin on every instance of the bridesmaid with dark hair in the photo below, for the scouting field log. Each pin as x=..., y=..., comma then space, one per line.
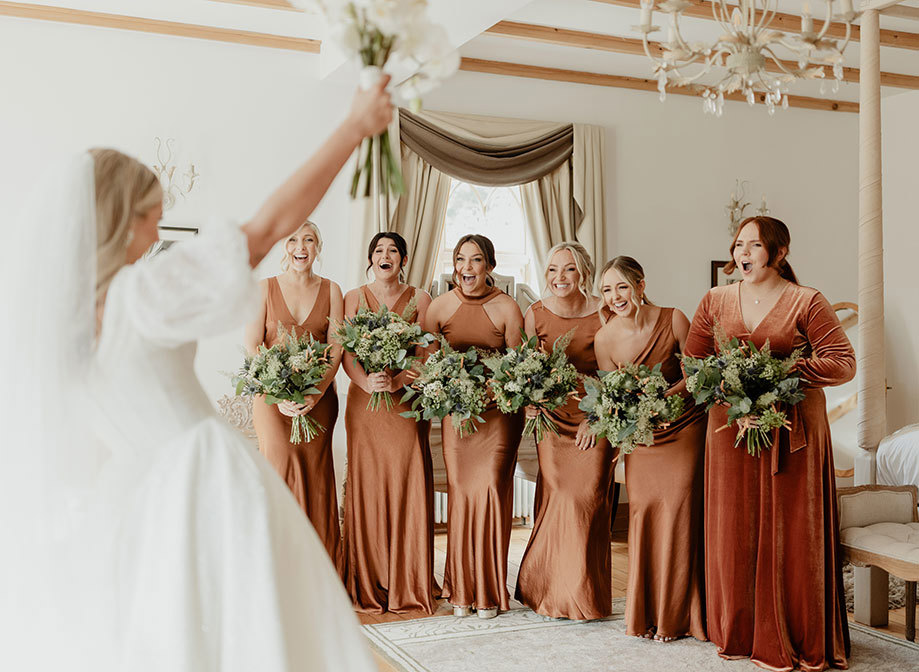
x=480, y=466
x=388, y=537
x=773, y=572
x=301, y=300
x=664, y=481
x=566, y=569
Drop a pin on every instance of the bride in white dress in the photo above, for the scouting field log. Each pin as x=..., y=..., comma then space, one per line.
x=140, y=531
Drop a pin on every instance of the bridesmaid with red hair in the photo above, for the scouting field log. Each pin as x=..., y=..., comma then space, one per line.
x=773, y=571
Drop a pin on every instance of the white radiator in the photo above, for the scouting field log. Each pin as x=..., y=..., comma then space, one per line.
x=524, y=496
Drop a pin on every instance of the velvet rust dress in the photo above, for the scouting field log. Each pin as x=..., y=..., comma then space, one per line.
x=773, y=574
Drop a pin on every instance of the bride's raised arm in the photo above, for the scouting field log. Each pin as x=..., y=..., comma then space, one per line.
x=291, y=204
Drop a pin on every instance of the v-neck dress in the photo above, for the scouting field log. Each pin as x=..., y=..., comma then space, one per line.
x=773, y=570
x=388, y=537
x=306, y=467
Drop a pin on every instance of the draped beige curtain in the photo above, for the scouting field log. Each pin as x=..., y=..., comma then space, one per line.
x=559, y=168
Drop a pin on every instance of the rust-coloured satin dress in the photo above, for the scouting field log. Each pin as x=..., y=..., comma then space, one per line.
x=566, y=571
x=306, y=467
x=388, y=536
x=480, y=478
x=772, y=564
x=665, y=484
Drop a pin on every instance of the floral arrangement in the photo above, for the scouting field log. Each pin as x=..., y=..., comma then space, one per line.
x=449, y=383
x=751, y=383
x=628, y=404
x=398, y=36
x=290, y=370
x=381, y=340
x=527, y=375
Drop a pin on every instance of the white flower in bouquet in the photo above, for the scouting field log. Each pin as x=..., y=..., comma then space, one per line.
x=383, y=33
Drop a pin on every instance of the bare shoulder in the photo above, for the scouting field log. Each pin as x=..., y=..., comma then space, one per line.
x=422, y=298
x=335, y=289
x=505, y=303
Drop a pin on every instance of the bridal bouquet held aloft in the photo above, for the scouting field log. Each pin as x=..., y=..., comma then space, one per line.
x=449, y=383
x=290, y=370
x=527, y=375
x=628, y=404
x=382, y=340
x=396, y=36
x=751, y=383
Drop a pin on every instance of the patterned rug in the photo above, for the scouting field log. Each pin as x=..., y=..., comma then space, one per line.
x=521, y=641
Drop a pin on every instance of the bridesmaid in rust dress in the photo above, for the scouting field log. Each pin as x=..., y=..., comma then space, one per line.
x=566, y=571
x=388, y=537
x=480, y=466
x=773, y=574
x=665, y=598
x=300, y=299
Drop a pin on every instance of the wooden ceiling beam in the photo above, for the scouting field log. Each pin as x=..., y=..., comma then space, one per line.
x=702, y=9
x=634, y=46
x=635, y=83
x=157, y=26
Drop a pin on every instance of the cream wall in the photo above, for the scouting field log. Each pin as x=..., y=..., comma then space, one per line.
x=901, y=247
x=248, y=115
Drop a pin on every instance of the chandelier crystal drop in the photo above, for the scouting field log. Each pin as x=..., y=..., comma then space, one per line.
x=744, y=58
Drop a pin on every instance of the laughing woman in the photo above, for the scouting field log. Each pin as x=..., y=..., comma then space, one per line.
x=480, y=466
x=301, y=300
x=663, y=481
x=388, y=544
x=773, y=573
x=565, y=572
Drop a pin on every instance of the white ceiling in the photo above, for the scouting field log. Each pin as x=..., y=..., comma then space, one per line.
x=469, y=17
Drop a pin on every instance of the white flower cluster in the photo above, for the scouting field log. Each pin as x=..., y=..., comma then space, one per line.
x=628, y=404
x=396, y=35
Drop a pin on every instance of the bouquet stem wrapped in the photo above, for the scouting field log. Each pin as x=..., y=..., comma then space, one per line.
x=290, y=370
x=751, y=383
x=398, y=36
x=529, y=376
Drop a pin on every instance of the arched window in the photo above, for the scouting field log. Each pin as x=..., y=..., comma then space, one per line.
x=496, y=212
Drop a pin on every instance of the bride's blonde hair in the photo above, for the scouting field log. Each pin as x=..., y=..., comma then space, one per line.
x=125, y=189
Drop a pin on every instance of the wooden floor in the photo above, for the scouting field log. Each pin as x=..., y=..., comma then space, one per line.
x=519, y=538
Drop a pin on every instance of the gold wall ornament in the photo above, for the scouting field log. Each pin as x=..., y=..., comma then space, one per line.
x=734, y=210
x=165, y=170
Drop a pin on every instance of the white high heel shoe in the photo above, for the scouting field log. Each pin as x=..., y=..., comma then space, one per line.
x=488, y=613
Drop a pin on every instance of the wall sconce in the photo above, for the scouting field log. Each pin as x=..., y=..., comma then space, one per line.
x=736, y=206
x=165, y=170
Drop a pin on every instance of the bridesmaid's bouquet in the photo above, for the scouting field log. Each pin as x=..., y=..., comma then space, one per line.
x=750, y=382
x=628, y=404
x=287, y=371
x=449, y=383
x=529, y=376
x=396, y=35
x=381, y=340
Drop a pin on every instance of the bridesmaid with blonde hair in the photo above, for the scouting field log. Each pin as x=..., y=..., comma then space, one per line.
x=480, y=466
x=301, y=300
x=388, y=538
x=566, y=570
x=664, y=481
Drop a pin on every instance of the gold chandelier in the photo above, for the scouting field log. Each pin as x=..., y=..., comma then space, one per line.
x=744, y=57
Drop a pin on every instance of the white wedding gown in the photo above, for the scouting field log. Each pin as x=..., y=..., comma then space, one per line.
x=203, y=559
